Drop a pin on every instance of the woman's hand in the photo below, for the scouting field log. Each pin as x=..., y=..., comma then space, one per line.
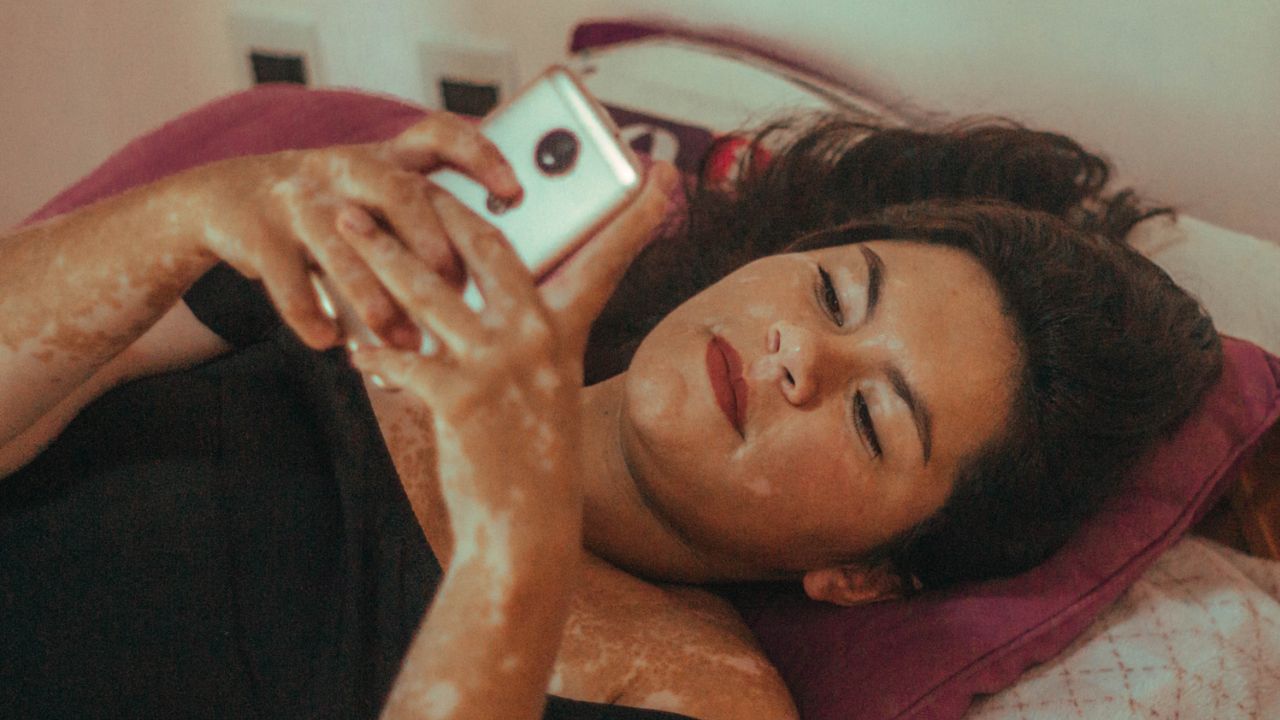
x=276, y=218
x=503, y=382
x=503, y=385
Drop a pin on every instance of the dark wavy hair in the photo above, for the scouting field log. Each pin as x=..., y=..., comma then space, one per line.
x=1114, y=354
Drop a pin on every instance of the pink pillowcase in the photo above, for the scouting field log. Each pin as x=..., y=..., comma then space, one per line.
x=920, y=659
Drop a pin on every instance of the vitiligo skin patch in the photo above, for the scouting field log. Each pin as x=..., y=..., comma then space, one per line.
x=76, y=290
x=625, y=640
x=674, y=648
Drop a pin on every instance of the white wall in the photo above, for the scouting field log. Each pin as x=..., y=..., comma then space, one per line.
x=79, y=78
x=1182, y=94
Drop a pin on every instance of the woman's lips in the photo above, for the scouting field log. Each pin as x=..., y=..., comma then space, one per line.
x=724, y=368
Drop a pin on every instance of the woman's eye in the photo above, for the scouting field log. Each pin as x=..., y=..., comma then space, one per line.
x=830, y=299
x=863, y=416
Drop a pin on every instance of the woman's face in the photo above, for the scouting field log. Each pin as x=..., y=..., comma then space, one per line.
x=810, y=406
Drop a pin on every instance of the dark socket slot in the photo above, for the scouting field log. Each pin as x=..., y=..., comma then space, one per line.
x=467, y=98
x=278, y=68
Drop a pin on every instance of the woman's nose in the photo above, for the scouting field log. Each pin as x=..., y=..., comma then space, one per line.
x=797, y=359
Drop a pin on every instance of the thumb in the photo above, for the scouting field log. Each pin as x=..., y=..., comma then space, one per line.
x=578, y=293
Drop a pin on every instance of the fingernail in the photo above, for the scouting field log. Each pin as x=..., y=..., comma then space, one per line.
x=382, y=384
x=355, y=221
x=353, y=346
x=429, y=346
x=326, y=302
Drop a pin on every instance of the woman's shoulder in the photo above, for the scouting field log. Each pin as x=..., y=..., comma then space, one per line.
x=663, y=647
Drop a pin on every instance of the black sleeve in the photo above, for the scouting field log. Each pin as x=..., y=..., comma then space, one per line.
x=559, y=708
x=233, y=306
x=565, y=709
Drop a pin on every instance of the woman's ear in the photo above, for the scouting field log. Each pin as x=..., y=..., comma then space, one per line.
x=854, y=584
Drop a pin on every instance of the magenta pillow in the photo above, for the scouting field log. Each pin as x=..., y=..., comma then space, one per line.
x=920, y=659
x=264, y=119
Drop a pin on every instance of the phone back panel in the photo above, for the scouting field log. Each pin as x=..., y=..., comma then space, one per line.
x=557, y=212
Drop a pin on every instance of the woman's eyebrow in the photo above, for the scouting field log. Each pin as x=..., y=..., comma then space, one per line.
x=920, y=414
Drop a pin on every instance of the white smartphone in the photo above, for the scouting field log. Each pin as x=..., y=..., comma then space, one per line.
x=575, y=171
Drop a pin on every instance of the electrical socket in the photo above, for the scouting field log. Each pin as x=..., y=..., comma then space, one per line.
x=468, y=78
x=289, y=39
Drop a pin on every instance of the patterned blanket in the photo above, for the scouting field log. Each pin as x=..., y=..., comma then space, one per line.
x=1198, y=636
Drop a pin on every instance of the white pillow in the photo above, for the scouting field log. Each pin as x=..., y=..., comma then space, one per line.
x=673, y=97
x=718, y=87
x=1235, y=276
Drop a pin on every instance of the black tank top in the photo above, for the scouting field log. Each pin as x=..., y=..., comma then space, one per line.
x=225, y=541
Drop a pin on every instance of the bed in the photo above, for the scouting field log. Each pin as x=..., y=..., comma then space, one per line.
x=1136, y=617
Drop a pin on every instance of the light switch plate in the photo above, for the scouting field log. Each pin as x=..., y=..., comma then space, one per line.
x=478, y=65
x=292, y=35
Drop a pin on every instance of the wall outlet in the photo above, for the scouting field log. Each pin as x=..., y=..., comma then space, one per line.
x=276, y=48
x=466, y=78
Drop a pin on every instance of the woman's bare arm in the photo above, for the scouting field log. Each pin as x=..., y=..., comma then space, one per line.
x=503, y=386
x=77, y=290
x=177, y=340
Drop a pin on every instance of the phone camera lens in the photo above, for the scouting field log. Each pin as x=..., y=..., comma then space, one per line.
x=557, y=151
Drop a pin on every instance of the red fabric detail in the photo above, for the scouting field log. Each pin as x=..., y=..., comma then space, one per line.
x=727, y=156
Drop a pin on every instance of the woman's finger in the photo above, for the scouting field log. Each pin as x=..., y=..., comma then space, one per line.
x=499, y=273
x=428, y=299
x=348, y=272
x=283, y=270
x=425, y=377
x=399, y=201
x=579, y=291
x=446, y=139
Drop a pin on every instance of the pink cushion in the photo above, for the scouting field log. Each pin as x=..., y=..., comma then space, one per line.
x=920, y=659
x=265, y=119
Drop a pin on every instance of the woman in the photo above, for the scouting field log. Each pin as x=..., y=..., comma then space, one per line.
x=920, y=392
